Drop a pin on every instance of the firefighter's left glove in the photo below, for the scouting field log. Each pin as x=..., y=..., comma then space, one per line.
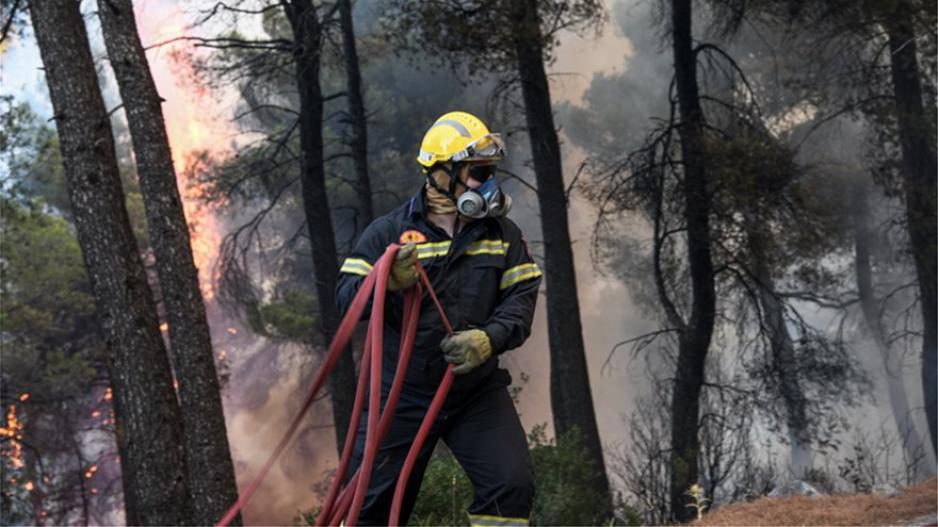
x=467, y=350
x=404, y=270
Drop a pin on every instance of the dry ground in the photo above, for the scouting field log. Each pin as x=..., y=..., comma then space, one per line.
x=918, y=505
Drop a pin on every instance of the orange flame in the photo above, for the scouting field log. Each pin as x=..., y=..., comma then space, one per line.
x=24, y=397
x=187, y=109
x=29, y=486
x=164, y=327
x=108, y=394
x=90, y=472
x=96, y=413
x=13, y=430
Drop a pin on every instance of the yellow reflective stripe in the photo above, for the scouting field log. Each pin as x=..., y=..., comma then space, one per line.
x=430, y=250
x=474, y=252
x=484, y=520
x=489, y=243
x=435, y=245
x=356, y=266
x=520, y=278
x=487, y=247
x=519, y=273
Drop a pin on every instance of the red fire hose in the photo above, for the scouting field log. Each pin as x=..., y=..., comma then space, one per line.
x=346, y=504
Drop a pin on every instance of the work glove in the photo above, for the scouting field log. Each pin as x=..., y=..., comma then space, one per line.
x=404, y=270
x=467, y=349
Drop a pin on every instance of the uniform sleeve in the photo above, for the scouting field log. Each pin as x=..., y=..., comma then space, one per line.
x=356, y=267
x=510, y=324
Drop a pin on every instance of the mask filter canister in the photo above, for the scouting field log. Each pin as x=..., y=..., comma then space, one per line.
x=487, y=200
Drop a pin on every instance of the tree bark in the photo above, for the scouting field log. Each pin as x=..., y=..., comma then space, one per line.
x=149, y=424
x=211, y=473
x=695, y=336
x=570, y=395
x=772, y=321
x=307, y=36
x=892, y=362
x=920, y=171
x=356, y=109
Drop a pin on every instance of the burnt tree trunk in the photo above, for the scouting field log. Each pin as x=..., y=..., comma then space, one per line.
x=570, y=395
x=211, y=472
x=920, y=172
x=356, y=116
x=892, y=360
x=148, y=420
x=307, y=38
x=695, y=336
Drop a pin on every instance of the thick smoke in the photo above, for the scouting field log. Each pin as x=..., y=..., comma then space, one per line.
x=614, y=113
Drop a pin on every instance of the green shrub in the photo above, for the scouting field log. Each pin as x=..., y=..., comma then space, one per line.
x=445, y=493
x=562, y=470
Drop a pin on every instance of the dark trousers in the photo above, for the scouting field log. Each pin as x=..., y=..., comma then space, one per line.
x=484, y=434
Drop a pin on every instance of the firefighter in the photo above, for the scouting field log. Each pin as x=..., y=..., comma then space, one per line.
x=487, y=282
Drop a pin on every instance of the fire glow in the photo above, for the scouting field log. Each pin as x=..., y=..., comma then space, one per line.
x=13, y=430
x=187, y=109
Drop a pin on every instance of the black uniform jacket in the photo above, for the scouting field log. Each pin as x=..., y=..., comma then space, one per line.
x=484, y=277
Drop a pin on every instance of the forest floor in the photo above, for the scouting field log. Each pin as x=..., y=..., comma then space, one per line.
x=915, y=506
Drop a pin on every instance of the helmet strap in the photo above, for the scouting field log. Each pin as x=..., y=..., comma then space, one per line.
x=453, y=174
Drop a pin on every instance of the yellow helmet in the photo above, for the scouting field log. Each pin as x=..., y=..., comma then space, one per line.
x=459, y=136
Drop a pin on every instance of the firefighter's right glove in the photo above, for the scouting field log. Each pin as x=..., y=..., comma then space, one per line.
x=404, y=270
x=467, y=350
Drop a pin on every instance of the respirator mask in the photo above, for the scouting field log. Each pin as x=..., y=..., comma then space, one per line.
x=486, y=201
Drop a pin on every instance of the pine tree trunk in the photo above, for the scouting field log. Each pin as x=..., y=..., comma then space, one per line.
x=211, y=472
x=570, y=395
x=695, y=337
x=892, y=361
x=307, y=36
x=149, y=424
x=920, y=173
x=356, y=110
